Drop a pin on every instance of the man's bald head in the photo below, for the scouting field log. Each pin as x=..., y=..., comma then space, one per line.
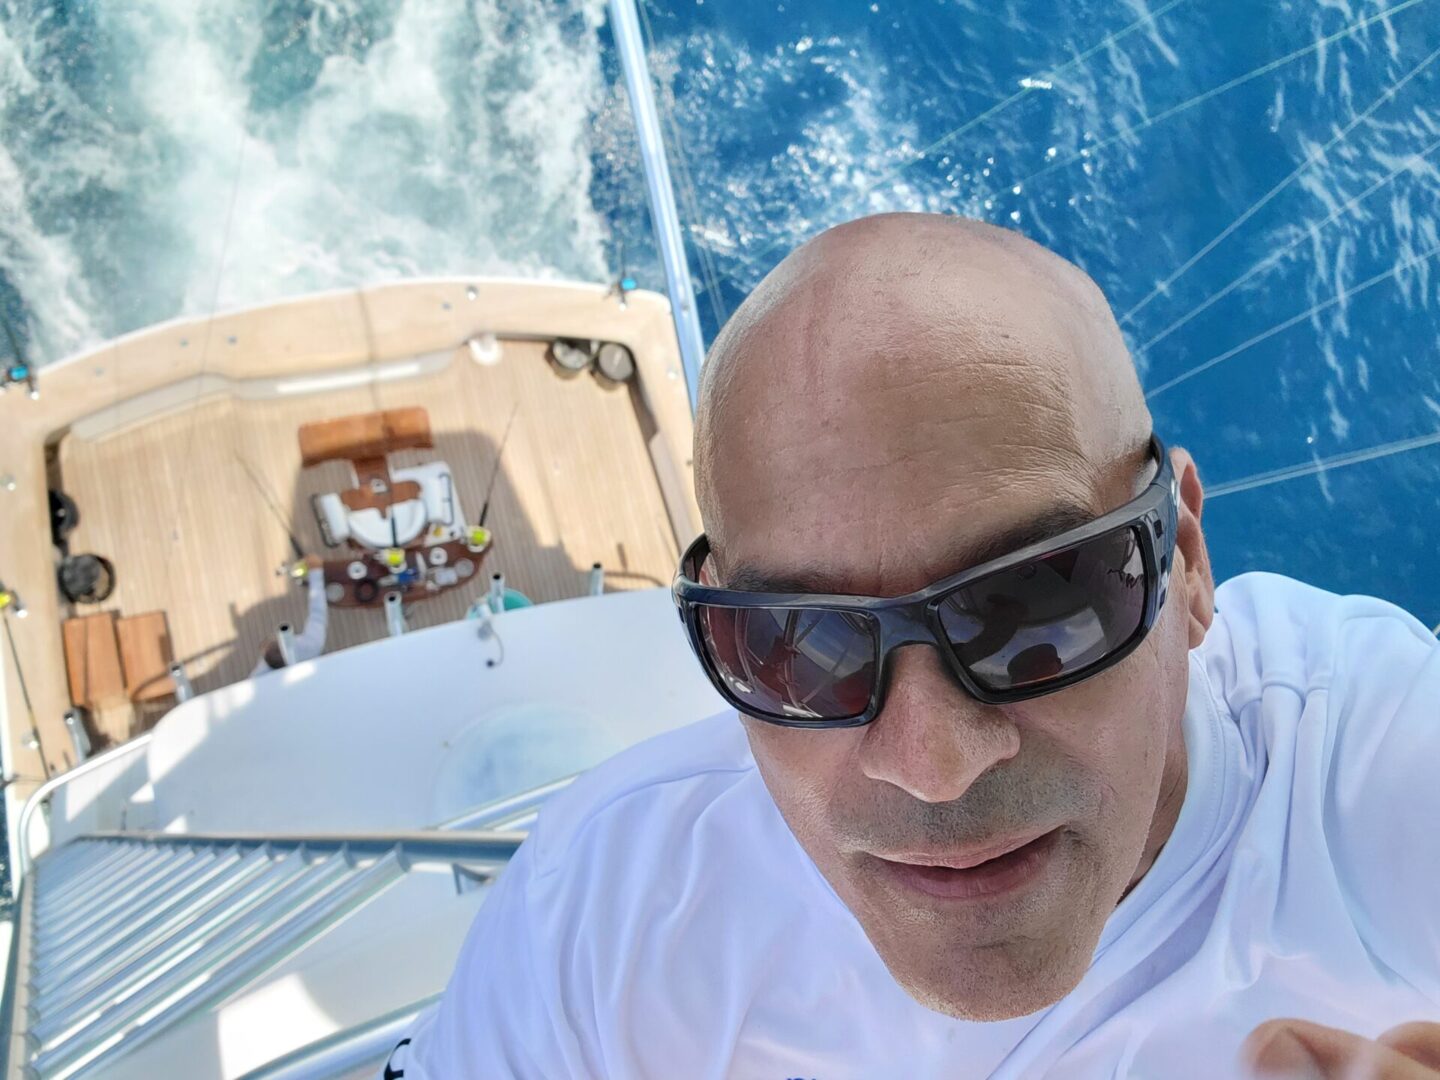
x=913, y=332
x=904, y=398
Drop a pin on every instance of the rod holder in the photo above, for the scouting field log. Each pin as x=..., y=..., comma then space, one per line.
x=394, y=614
x=79, y=737
x=596, y=584
x=497, y=592
x=285, y=641
x=10, y=601
x=184, y=690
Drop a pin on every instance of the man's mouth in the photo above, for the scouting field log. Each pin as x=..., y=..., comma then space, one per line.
x=974, y=873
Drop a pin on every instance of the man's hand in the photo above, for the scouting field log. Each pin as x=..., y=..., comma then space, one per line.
x=1298, y=1048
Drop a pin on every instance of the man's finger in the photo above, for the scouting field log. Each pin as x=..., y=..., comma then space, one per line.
x=1302, y=1048
x=1418, y=1040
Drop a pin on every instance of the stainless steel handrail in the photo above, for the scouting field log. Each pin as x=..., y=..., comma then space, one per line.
x=486, y=815
x=418, y=845
x=345, y=1051
x=43, y=793
x=12, y=980
x=511, y=806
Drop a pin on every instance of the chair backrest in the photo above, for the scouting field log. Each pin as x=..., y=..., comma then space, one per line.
x=367, y=436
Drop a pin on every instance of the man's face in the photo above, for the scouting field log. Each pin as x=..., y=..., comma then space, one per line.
x=896, y=467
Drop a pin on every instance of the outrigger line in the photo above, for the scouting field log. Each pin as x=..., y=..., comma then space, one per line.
x=274, y=507
x=499, y=456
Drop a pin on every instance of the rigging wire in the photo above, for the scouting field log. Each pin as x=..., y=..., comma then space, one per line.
x=1310, y=468
x=214, y=303
x=1314, y=309
x=1200, y=99
x=1273, y=259
x=1254, y=208
x=1027, y=88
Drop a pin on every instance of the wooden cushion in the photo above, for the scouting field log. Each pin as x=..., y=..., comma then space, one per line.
x=92, y=659
x=368, y=435
x=146, y=655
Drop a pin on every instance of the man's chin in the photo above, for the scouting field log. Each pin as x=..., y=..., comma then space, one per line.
x=988, y=999
x=988, y=961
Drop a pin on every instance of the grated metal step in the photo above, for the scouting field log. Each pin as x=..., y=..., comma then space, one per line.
x=120, y=937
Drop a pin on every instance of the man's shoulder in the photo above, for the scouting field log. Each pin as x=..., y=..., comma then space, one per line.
x=1271, y=630
x=650, y=791
x=1340, y=696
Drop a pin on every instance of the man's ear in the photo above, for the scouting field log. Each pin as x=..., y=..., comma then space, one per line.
x=1190, y=547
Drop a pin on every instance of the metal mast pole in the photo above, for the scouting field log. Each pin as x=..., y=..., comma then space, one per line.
x=625, y=25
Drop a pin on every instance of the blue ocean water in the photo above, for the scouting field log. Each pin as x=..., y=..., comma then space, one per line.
x=1253, y=185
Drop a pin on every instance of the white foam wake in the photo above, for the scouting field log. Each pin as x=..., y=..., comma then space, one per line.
x=174, y=156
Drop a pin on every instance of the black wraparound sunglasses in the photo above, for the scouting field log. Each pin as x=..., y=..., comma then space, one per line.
x=1028, y=623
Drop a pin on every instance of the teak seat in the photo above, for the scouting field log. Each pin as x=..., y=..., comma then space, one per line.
x=92, y=660
x=146, y=655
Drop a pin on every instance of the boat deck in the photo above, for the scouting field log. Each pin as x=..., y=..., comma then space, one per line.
x=195, y=507
x=179, y=444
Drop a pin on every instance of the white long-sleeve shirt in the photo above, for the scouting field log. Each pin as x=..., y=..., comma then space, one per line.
x=661, y=921
x=310, y=641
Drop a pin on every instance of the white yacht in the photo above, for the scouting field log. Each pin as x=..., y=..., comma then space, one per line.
x=231, y=866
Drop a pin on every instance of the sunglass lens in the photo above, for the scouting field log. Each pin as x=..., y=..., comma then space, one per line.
x=791, y=663
x=1050, y=618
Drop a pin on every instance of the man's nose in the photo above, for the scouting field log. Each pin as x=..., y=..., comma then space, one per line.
x=931, y=738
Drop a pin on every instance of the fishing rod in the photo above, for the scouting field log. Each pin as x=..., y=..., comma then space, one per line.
x=17, y=370
x=274, y=507
x=25, y=694
x=14, y=342
x=499, y=456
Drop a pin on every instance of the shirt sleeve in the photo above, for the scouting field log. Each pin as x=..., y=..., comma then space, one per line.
x=310, y=642
x=1384, y=706
x=497, y=1017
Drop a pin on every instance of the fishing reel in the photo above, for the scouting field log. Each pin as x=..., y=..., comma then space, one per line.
x=10, y=602
x=297, y=570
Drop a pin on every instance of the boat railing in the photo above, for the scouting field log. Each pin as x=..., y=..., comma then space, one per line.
x=46, y=791
x=120, y=936
x=109, y=916
x=345, y=1052
x=512, y=813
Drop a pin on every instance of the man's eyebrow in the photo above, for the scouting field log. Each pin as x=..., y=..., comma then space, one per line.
x=815, y=577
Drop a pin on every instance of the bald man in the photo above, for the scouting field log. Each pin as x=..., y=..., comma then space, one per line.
x=1006, y=786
